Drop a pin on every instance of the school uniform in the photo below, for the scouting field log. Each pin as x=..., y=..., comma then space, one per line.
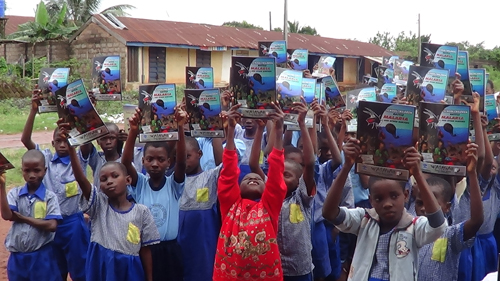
x=294, y=235
x=199, y=225
x=207, y=160
x=31, y=253
x=72, y=237
x=239, y=134
x=164, y=206
x=96, y=160
x=116, y=239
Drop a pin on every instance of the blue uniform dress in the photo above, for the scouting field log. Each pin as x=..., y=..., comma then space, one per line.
x=116, y=239
x=31, y=253
x=164, y=206
x=72, y=236
x=199, y=225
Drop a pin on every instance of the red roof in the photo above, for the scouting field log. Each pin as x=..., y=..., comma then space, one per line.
x=14, y=21
x=204, y=35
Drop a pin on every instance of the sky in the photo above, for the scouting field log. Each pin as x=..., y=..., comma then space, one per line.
x=359, y=19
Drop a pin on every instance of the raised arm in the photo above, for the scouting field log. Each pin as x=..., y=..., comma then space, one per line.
x=254, y=158
x=309, y=157
x=28, y=127
x=80, y=176
x=457, y=89
x=472, y=225
x=181, y=118
x=332, y=144
x=332, y=202
x=128, y=151
x=346, y=117
x=217, y=150
x=476, y=121
x=485, y=171
x=6, y=208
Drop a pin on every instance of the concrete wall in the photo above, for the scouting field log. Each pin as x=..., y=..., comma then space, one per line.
x=53, y=50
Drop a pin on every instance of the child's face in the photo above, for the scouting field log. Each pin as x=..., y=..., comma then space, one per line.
x=494, y=168
x=193, y=157
x=60, y=145
x=249, y=124
x=109, y=142
x=113, y=181
x=295, y=157
x=291, y=176
x=252, y=186
x=438, y=193
x=388, y=198
x=33, y=171
x=324, y=151
x=156, y=161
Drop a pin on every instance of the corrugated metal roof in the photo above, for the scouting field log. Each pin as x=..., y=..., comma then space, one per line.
x=205, y=35
x=14, y=21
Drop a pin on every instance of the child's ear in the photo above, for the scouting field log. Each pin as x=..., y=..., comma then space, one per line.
x=129, y=180
x=406, y=193
x=448, y=207
x=200, y=153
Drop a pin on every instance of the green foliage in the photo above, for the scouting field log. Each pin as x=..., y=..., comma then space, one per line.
x=243, y=24
x=401, y=43
x=294, y=27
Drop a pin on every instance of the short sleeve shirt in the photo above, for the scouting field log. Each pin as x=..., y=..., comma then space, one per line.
x=200, y=191
x=43, y=205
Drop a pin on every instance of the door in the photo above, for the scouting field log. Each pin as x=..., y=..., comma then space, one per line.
x=157, y=64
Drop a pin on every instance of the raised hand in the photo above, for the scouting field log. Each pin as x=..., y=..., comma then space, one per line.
x=351, y=151
x=484, y=121
x=457, y=86
x=35, y=99
x=301, y=108
x=412, y=160
x=261, y=123
x=471, y=157
x=346, y=116
x=277, y=116
x=474, y=106
x=134, y=122
x=232, y=116
x=180, y=116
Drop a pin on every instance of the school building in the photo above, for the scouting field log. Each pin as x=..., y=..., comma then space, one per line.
x=155, y=51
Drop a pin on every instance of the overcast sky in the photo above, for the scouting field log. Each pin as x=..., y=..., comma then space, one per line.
x=355, y=19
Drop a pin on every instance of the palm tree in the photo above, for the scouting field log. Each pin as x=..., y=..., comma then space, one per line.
x=294, y=27
x=79, y=11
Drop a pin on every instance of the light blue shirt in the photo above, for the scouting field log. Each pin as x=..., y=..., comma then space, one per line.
x=207, y=161
x=163, y=204
x=360, y=193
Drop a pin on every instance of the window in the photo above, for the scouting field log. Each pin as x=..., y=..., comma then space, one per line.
x=203, y=58
x=339, y=69
x=133, y=64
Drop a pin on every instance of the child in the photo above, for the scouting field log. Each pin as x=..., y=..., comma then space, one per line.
x=247, y=245
x=160, y=194
x=246, y=133
x=72, y=237
x=399, y=235
x=121, y=231
x=34, y=211
x=199, y=220
x=440, y=259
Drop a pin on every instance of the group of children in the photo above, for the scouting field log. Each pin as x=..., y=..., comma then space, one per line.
x=264, y=203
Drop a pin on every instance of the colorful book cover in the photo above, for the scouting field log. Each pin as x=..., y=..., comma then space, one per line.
x=289, y=90
x=401, y=71
x=157, y=103
x=106, y=78
x=75, y=108
x=426, y=84
x=385, y=75
x=299, y=59
x=440, y=57
x=389, y=61
x=253, y=82
x=199, y=77
x=385, y=132
x=491, y=109
x=477, y=78
x=325, y=63
x=444, y=129
x=463, y=70
x=352, y=101
x=275, y=49
x=331, y=92
x=487, y=77
x=387, y=93
x=49, y=81
x=204, y=108
x=309, y=90
x=5, y=164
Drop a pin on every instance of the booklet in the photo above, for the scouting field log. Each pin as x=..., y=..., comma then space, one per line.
x=299, y=59
x=157, y=103
x=49, y=81
x=332, y=93
x=352, y=101
x=385, y=75
x=385, y=131
x=444, y=134
x=401, y=71
x=309, y=90
x=289, y=90
x=75, y=108
x=275, y=49
x=204, y=108
x=440, y=57
x=387, y=93
x=478, y=82
x=491, y=109
x=253, y=82
x=5, y=164
x=199, y=77
x=463, y=70
x=325, y=63
x=106, y=78
x=388, y=61
x=426, y=84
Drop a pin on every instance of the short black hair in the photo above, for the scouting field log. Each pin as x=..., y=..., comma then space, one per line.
x=373, y=180
x=296, y=167
x=446, y=189
x=112, y=126
x=56, y=133
x=289, y=149
x=33, y=154
x=192, y=142
x=118, y=165
x=157, y=144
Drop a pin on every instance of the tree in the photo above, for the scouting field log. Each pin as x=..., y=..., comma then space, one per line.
x=80, y=11
x=243, y=24
x=294, y=27
x=278, y=29
x=401, y=43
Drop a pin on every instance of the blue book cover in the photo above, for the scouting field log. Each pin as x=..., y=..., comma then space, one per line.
x=491, y=110
x=106, y=78
x=426, y=84
x=289, y=90
x=352, y=100
x=478, y=83
x=49, y=81
x=204, y=109
x=298, y=59
x=274, y=49
x=199, y=78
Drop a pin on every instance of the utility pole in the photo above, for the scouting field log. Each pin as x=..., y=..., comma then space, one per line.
x=419, y=39
x=285, y=28
x=270, y=23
